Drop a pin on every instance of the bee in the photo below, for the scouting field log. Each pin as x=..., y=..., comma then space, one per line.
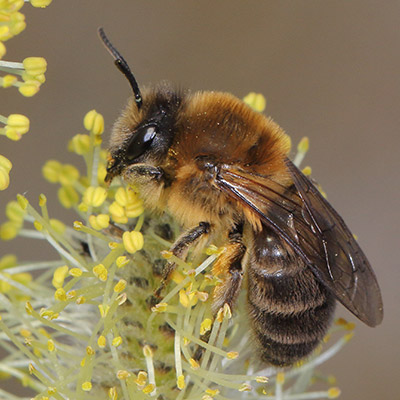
x=221, y=170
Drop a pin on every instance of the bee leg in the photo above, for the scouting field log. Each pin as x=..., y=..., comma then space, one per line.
x=229, y=268
x=180, y=249
x=144, y=173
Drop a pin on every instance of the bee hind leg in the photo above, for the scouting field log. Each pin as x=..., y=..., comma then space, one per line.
x=229, y=268
x=180, y=249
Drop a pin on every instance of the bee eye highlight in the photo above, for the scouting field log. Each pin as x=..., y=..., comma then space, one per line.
x=141, y=141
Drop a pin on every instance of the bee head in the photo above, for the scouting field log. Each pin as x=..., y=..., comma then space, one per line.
x=144, y=131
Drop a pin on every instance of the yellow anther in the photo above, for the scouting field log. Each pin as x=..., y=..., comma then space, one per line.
x=117, y=341
x=8, y=80
x=94, y=122
x=5, y=167
x=303, y=145
x=28, y=308
x=40, y=3
x=227, y=311
x=87, y=386
x=103, y=310
x=42, y=200
x=8, y=261
x=245, y=388
x=193, y=363
x=76, y=272
x=2, y=49
x=307, y=171
x=147, y=351
x=120, y=286
x=19, y=123
x=78, y=225
x=205, y=326
x=38, y=226
x=180, y=382
x=141, y=379
x=121, y=196
x=133, y=241
x=348, y=336
x=117, y=212
x=100, y=272
x=102, y=341
x=160, y=307
x=60, y=295
x=31, y=368
x=35, y=65
x=280, y=378
x=148, y=389
x=212, y=392
x=69, y=174
x=90, y=351
x=99, y=222
x=333, y=393
x=25, y=333
x=232, y=355
x=256, y=101
x=80, y=144
x=212, y=249
x=166, y=254
x=29, y=88
x=135, y=209
x=220, y=315
x=331, y=379
x=14, y=212
x=59, y=276
x=81, y=300
x=176, y=276
x=94, y=196
x=51, y=390
x=112, y=393
x=9, y=230
x=50, y=345
x=122, y=374
x=52, y=170
x=122, y=261
x=68, y=196
x=350, y=326
x=4, y=178
x=183, y=298
x=113, y=245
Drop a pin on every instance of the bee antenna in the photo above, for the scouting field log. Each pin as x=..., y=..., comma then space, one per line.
x=122, y=65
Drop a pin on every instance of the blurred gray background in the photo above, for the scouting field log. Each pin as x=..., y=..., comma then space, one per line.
x=329, y=70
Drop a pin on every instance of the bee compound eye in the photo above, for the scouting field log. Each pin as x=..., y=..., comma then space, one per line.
x=140, y=141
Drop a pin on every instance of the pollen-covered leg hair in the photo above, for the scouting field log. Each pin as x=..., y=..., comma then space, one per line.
x=181, y=247
x=142, y=173
x=229, y=268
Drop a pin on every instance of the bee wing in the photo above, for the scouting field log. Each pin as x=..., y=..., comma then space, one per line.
x=315, y=231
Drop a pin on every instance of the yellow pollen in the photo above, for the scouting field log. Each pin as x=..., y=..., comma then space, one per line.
x=87, y=386
x=180, y=382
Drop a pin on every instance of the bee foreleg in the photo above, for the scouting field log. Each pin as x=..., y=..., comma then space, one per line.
x=229, y=268
x=181, y=247
x=143, y=173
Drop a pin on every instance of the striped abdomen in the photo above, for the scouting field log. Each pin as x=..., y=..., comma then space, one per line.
x=289, y=308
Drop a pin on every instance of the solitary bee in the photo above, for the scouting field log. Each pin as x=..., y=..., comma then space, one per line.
x=222, y=171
